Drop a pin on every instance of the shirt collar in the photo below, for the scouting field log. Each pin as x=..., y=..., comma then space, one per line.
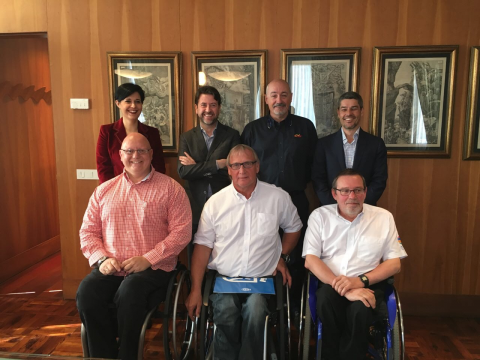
x=271, y=123
x=359, y=216
x=146, y=178
x=204, y=132
x=355, y=135
x=241, y=196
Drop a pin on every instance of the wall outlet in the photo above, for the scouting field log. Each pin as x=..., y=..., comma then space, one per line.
x=87, y=174
x=79, y=104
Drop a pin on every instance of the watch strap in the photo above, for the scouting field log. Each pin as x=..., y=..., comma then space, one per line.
x=365, y=280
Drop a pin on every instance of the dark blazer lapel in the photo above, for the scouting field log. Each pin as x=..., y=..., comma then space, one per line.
x=200, y=143
x=338, y=144
x=360, y=149
x=219, y=134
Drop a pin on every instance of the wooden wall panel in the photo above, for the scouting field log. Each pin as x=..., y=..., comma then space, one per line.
x=29, y=211
x=20, y=16
x=435, y=201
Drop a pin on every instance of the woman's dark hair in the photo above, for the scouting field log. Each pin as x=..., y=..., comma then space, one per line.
x=127, y=89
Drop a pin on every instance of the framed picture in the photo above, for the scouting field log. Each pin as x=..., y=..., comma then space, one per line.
x=158, y=73
x=412, y=99
x=318, y=77
x=471, y=143
x=240, y=78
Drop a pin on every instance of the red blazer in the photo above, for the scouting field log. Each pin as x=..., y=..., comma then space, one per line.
x=110, y=141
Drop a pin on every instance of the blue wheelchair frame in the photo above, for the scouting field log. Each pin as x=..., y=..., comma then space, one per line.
x=394, y=338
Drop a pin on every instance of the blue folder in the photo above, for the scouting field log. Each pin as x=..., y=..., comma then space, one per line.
x=244, y=285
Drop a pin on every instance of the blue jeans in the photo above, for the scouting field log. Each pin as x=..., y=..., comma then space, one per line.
x=240, y=323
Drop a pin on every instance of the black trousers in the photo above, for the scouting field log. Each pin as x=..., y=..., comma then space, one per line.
x=346, y=324
x=297, y=263
x=133, y=297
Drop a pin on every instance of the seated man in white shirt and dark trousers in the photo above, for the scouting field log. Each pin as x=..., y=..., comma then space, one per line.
x=352, y=248
x=238, y=236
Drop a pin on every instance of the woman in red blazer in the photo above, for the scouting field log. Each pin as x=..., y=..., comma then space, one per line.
x=129, y=99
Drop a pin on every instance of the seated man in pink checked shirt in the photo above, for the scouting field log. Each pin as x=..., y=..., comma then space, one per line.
x=135, y=226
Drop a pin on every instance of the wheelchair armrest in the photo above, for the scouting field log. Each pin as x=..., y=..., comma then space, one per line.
x=207, y=290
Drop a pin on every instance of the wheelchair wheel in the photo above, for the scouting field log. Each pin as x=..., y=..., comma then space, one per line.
x=178, y=329
x=307, y=331
x=397, y=351
x=207, y=328
x=206, y=332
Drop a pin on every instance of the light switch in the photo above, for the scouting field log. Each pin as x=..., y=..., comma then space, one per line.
x=79, y=104
x=87, y=174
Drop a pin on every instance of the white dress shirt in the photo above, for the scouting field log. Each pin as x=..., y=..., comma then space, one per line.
x=352, y=248
x=243, y=233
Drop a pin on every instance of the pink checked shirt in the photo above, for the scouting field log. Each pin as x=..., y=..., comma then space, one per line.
x=151, y=219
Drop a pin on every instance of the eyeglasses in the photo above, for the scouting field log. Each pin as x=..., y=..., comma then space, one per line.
x=139, y=151
x=346, y=192
x=246, y=165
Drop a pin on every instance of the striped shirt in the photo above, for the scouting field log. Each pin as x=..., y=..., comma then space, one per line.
x=150, y=219
x=349, y=148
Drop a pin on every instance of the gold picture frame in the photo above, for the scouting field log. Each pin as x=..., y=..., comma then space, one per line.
x=239, y=76
x=159, y=74
x=318, y=77
x=471, y=142
x=412, y=99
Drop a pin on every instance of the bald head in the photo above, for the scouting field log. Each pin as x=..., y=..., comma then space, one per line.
x=136, y=155
x=278, y=98
x=277, y=82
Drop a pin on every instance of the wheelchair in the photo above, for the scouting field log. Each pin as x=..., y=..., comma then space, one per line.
x=278, y=319
x=387, y=340
x=178, y=329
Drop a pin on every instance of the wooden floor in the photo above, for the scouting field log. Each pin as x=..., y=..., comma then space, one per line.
x=34, y=318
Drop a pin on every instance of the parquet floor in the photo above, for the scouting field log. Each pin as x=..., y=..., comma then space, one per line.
x=34, y=318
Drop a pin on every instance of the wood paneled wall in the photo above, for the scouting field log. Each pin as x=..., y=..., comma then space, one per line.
x=436, y=202
x=29, y=208
x=23, y=16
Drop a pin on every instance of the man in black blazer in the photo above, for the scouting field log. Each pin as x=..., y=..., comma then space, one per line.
x=350, y=147
x=203, y=151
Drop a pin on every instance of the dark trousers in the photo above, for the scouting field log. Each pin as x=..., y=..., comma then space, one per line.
x=297, y=263
x=346, y=324
x=133, y=296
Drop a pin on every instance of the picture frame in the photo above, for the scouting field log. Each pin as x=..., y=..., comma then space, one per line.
x=318, y=77
x=471, y=142
x=239, y=76
x=412, y=99
x=159, y=75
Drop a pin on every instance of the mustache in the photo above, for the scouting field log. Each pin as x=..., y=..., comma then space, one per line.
x=279, y=105
x=352, y=202
x=208, y=113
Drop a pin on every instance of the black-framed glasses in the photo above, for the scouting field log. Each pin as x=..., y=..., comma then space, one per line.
x=346, y=192
x=139, y=151
x=246, y=165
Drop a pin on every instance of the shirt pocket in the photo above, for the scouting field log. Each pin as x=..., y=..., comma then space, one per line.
x=370, y=249
x=267, y=224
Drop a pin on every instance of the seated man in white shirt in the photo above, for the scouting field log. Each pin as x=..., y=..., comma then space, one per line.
x=238, y=236
x=352, y=248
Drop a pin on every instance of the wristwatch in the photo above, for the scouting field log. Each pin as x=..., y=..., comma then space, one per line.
x=100, y=262
x=285, y=258
x=364, y=280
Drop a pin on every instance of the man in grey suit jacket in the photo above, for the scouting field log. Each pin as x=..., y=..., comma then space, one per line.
x=350, y=147
x=203, y=151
